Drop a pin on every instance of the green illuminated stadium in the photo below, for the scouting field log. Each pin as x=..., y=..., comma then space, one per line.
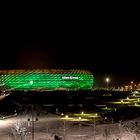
x=46, y=79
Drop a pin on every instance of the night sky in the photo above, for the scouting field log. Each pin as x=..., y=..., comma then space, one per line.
x=104, y=42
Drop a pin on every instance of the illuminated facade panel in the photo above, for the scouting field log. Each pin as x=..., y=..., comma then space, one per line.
x=46, y=79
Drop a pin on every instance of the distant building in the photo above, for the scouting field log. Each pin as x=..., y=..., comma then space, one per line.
x=46, y=79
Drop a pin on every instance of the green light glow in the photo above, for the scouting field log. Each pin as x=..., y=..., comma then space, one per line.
x=46, y=79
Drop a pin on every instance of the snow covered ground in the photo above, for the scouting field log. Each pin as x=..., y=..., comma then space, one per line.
x=50, y=125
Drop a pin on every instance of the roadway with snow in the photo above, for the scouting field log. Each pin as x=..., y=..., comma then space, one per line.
x=46, y=126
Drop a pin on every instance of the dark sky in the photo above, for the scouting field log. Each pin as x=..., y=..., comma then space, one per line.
x=104, y=41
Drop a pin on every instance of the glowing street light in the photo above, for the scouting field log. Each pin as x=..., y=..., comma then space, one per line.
x=79, y=118
x=66, y=116
x=107, y=81
x=82, y=112
x=127, y=98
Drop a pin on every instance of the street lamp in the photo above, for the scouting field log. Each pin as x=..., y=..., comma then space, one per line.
x=82, y=113
x=107, y=81
x=31, y=83
x=32, y=122
x=66, y=117
x=94, y=126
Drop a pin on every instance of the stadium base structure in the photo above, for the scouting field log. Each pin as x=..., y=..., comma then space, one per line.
x=46, y=79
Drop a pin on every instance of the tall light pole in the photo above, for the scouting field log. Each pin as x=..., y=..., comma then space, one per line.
x=107, y=81
x=94, y=128
x=33, y=119
x=66, y=117
x=32, y=124
x=94, y=125
x=31, y=82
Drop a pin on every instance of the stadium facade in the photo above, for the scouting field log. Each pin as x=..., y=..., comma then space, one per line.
x=46, y=79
